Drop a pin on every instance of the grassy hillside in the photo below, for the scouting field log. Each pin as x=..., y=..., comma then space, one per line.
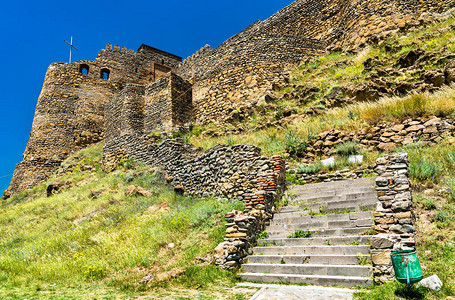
x=307, y=107
x=93, y=238
x=349, y=91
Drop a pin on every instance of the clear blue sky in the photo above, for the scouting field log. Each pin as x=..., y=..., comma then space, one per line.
x=32, y=34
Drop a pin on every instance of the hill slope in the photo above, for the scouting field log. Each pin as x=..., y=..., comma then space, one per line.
x=87, y=232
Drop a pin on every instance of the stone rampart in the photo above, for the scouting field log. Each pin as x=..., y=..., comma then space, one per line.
x=69, y=114
x=241, y=71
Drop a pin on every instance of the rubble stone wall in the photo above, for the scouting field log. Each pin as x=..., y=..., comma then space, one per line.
x=393, y=218
x=384, y=136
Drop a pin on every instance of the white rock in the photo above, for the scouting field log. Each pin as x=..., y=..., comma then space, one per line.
x=171, y=245
x=355, y=159
x=433, y=282
x=328, y=162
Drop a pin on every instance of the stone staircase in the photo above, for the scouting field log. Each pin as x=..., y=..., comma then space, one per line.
x=336, y=217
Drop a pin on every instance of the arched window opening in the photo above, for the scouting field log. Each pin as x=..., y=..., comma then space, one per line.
x=105, y=74
x=84, y=69
x=162, y=61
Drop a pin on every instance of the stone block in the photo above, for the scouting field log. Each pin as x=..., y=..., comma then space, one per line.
x=401, y=206
x=382, y=258
x=381, y=243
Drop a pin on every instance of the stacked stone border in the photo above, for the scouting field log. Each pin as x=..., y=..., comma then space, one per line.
x=384, y=136
x=236, y=172
x=243, y=228
x=393, y=218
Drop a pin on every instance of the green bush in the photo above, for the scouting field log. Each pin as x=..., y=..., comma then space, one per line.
x=310, y=168
x=346, y=149
x=295, y=144
x=300, y=234
x=424, y=170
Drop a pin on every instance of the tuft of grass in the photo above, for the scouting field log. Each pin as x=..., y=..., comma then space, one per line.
x=310, y=168
x=300, y=234
x=263, y=235
x=424, y=170
x=346, y=149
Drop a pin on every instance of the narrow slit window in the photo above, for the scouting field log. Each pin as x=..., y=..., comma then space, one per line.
x=105, y=74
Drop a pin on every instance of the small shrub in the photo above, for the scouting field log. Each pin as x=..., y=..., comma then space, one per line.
x=424, y=170
x=176, y=135
x=282, y=261
x=263, y=235
x=295, y=145
x=346, y=149
x=310, y=168
x=300, y=234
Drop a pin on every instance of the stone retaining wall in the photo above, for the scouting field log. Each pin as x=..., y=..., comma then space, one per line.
x=385, y=136
x=237, y=172
x=393, y=217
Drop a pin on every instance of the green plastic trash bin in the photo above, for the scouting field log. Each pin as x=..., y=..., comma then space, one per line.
x=406, y=266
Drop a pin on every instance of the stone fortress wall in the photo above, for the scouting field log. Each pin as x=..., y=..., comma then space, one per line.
x=69, y=114
x=241, y=71
x=237, y=74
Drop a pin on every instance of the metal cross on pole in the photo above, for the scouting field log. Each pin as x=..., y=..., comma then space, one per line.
x=71, y=47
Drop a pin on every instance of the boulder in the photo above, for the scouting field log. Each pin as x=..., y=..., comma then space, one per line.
x=433, y=283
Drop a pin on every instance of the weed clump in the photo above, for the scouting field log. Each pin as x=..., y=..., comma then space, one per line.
x=300, y=234
x=310, y=168
x=346, y=149
x=424, y=170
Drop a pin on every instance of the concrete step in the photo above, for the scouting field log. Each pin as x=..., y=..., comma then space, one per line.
x=334, y=186
x=317, y=241
x=309, y=269
x=319, y=225
x=322, y=197
x=347, y=281
x=320, y=221
x=332, y=206
x=312, y=250
x=360, y=182
x=324, y=232
x=287, y=218
x=310, y=259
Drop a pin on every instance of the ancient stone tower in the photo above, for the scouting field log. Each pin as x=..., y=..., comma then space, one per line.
x=70, y=111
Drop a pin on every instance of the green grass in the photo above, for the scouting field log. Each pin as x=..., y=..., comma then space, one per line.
x=93, y=236
x=300, y=234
